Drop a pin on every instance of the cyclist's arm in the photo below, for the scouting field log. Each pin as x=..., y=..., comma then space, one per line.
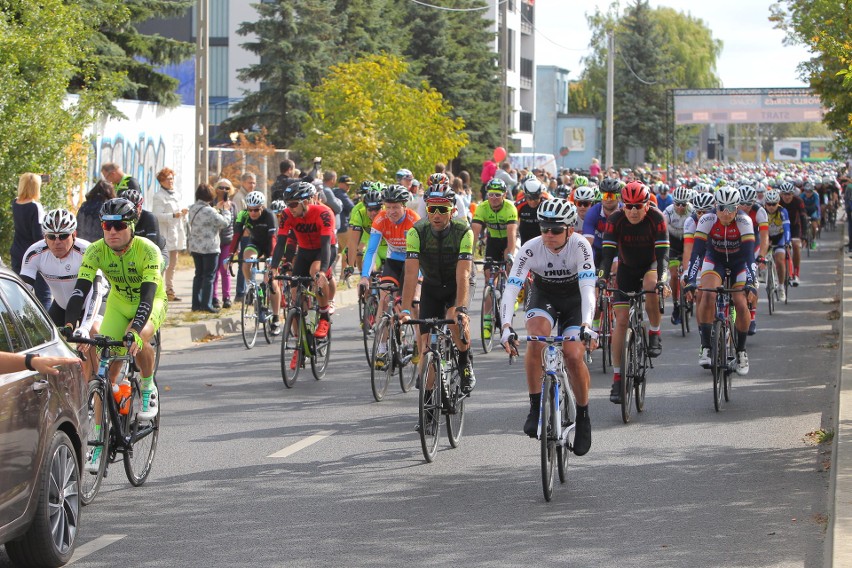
x=278, y=252
x=586, y=276
x=369, y=255
x=517, y=275
x=148, y=288
x=29, y=270
x=786, y=224
x=476, y=226
x=93, y=302
x=412, y=268
x=608, y=250
x=463, y=267
x=512, y=234
x=698, y=249
x=85, y=278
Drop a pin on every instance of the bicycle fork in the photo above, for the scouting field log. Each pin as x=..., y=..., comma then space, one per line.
x=552, y=363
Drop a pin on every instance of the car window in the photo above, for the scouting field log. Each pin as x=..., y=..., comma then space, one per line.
x=37, y=327
x=9, y=340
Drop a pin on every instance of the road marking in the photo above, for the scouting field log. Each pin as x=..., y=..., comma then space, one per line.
x=302, y=444
x=95, y=545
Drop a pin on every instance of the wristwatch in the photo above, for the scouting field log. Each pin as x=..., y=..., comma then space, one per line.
x=28, y=360
x=461, y=310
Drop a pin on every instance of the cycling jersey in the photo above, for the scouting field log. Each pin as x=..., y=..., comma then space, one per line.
x=759, y=218
x=438, y=254
x=528, y=226
x=569, y=272
x=261, y=230
x=359, y=220
x=394, y=234
x=730, y=245
x=811, y=204
x=797, y=214
x=638, y=245
x=317, y=222
x=779, y=227
x=594, y=227
x=675, y=222
x=126, y=272
x=496, y=221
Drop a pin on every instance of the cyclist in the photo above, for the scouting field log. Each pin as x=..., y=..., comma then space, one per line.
x=812, y=208
x=779, y=236
x=760, y=223
x=798, y=219
x=563, y=291
x=702, y=203
x=639, y=235
x=137, y=303
x=584, y=198
x=147, y=226
x=676, y=216
x=460, y=211
x=595, y=222
x=664, y=199
x=527, y=207
x=442, y=249
x=390, y=226
x=361, y=223
x=724, y=239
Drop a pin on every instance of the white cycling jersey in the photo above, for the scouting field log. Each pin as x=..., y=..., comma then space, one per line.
x=569, y=271
x=675, y=221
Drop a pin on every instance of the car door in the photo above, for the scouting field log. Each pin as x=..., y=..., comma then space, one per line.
x=23, y=404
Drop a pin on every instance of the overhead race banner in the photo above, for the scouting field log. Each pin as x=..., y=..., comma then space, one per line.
x=728, y=106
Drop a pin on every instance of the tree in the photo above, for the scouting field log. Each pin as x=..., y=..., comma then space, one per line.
x=825, y=27
x=295, y=40
x=369, y=26
x=367, y=122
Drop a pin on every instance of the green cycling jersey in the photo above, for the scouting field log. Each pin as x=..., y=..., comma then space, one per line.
x=438, y=254
x=126, y=272
x=496, y=221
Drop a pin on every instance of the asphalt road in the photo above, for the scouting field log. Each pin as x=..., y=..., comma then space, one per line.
x=682, y=485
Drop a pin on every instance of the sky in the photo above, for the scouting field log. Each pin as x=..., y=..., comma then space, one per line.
x=753, y=55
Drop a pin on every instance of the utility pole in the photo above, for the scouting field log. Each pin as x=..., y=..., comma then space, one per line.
x=610, y=98
x=202, y=107
x=504, y=66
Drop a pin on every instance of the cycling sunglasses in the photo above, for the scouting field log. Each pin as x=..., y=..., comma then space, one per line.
x=257, y=209
x=609, y=196
x=583, y=203
x=292, y=204
x=55, y=236
x=727, y=208
x=634, y=206
x=114, y=225
x=439, y=209
x=552, y=230
x=374, y=209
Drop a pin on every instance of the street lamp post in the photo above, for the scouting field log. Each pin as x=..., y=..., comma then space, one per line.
x=202, y=107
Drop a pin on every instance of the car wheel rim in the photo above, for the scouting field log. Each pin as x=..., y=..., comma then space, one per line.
x=64, y=499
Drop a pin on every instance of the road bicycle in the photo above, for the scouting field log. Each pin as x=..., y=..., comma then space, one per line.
x=255, y=312
x=491, y=295
x=788, y=279
x=400, y=343
x=685, y=306
x=771, y=282
x=299, y=343
x=607, y=319
x=723, y=353
x=635, y=360
x=115, y=434
x=558, y=412
x=440, y=387
x=368, y=309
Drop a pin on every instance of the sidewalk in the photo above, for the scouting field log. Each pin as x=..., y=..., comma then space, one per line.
x=185, y=329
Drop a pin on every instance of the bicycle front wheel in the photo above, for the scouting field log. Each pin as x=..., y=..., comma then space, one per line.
x=291, y=348
x=487, y=318
x=143, y=434
x=639, y=379
x=429, y=419
x=263, y=308
x=156, y=343
x=368, y=320
x=770, y=288
x=97, y=444
x=547, y=438
x=719, y=359
x=455, y=412
x=568, y=414
x=249, y=317
x=605, y=335
x=321, y=353
x=629, y=371
x=379, y=378
x=407, y=352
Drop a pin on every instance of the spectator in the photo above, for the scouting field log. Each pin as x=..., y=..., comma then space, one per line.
x=205, y=223
x=27, y=214
x=595, y=169
x=248, y=183
x=169, y=212
x=224, y=191
x=463, y=195
x=342, y=193
x=509, y=177
x=289, y=175
x=89, y=214
x=120, y=181
x=489, y=168
x=326, y=195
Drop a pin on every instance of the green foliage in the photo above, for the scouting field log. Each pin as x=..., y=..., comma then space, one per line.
x=825, y=27
x=367, y=123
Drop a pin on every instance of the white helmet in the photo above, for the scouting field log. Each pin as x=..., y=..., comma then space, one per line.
x=682, y=195
x=532, y=186
x=772, y=196
x=255, y=199
x=277, y=206
x=748, y=195
x=727, y=195
x=703, y=202
x=584, y=193
x=59, y=221
x=557, y=211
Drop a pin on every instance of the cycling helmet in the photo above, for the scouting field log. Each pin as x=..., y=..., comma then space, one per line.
x=532, y=188
x=118, y=209
x=584, y=193
x=277, y=206
x=682, y=195
x=397, y=194
x=662, y=188
x=557, y=212
x=598, y=196
x=404, y=173
x=808, y=186
x=611, y=185
x=441, y=192
x=581, y=181
x=772, y=196
x=635, y=192
x=257, y=199
x=727, y=195
x=300, y=191
x=59, y=221
x=527, y=176
x=132, y=195
x=563, y=191
x=748, y=195
x=496, y=185
x=438, y=178
x=378, y=186
x=703, y=202
x=365, y=186
x=786, y=187
x=373, y=198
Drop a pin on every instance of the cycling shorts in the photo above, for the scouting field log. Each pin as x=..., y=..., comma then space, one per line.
x=564, y=309
x=495, y=248
x=119, y=314
x=394, y=272
x=630, y=279
x=717, y=266
x=435, y=301
x=262, y=250
x=306, y=257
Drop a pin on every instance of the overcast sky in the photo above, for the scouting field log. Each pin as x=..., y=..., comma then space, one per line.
x=752, y=54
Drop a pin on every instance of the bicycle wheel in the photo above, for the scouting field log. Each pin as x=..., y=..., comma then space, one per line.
x=568, y=413
x=249, y=317
x=97, y=444
x=143, y=434
x=639, y=379
x=429, y=418
x=156, y=343
x=629, y=369
x=731, y=354
x=263, y=308
x=770, y=287
x=407, y=350
x=719, y=362
x=368, y=320
x=548, y=438
x=321, y=352
x=455, y=405
x=487, y=319
x=379, y=378
x=291, y=348
x=684, y=314
x=605, y=335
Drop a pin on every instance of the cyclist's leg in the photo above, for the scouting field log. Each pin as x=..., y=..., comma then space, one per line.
x=797, y=255
x=780, y=265
x=706, y=311
x=249, y=252
x=540, y=323
x=652, y=302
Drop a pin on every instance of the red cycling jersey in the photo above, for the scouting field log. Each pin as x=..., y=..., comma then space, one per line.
x=317, y=222
x=395, y=233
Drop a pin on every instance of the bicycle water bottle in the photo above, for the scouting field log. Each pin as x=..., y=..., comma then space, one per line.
x=102, y=368
x=121, y=393
x=311, y=320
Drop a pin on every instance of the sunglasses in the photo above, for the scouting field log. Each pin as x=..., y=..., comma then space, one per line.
x=495, y=194
x=726, y=208
x=257, y=209
x=770, y=204
x=55, y=236
x=610, y=196
x=374, y=209
x=634, y=206
x=681, y=204
x=552, y=230
x=293, y=204
x=583, y=203
x=439, y=209
x=114, y=225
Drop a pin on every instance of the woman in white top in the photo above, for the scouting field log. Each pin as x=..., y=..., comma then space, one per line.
x=170, y=213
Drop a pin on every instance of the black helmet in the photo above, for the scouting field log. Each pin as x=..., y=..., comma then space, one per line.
x=299, y=191
x=365, y=187
x=611, y=185
x=118, y=209
x=440, y=192
x=396, y=194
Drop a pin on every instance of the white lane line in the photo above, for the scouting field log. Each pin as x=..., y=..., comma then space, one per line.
x=94, y=545
x=302, y=444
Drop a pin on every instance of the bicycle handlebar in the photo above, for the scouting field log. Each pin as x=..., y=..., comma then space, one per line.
x=101, y=341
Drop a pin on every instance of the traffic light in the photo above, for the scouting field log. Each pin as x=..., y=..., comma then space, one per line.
x=721, y=140
x=711, y=149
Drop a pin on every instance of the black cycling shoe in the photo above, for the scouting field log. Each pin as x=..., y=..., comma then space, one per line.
x=655, y=345
x=582, y=433
x=615, y=392
x=531, y=425
x=468, y=380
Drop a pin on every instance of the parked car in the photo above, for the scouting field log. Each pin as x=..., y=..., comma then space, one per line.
x=43, y=425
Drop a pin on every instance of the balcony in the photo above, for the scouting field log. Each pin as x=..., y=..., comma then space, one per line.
x=527, y=70
x=527, y=18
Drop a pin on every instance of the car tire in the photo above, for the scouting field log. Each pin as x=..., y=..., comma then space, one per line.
x=50, y=539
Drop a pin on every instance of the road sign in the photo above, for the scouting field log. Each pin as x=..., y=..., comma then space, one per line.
x=689, y=155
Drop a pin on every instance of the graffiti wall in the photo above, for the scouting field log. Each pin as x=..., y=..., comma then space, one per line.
x=148, y=140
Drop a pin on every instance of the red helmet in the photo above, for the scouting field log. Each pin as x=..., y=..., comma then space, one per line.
x=635, y=192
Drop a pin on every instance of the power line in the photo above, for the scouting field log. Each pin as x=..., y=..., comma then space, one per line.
x=538, y=32
x=638, y=78
x=453, y=9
